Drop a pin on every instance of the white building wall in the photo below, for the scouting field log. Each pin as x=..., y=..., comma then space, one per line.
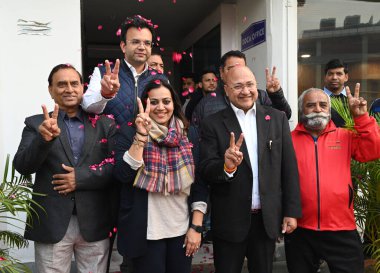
x=26, y=61
x=280, y=48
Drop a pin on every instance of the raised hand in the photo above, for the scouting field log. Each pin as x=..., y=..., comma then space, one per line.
x=358, y=105
x=273, y=83
x=49, y=127
x=233, y=156
x=110, y=84
x=143, y=121
x=65, y=183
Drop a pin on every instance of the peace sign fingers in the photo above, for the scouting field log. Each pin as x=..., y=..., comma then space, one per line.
x=143, y=121
x=273, y=83
x=358, y=105
x=45, y=111
x=54, y=115
x=115, y=71
x=108, y=67
x=233, y=156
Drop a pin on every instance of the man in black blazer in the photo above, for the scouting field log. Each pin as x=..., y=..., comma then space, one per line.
x=254, y=187
x=71, y=154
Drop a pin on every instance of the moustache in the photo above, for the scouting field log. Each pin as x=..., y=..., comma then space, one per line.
x=317, y=115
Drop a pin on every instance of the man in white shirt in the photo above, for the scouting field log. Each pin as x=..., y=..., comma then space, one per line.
x=115, y=91
x=254, y=188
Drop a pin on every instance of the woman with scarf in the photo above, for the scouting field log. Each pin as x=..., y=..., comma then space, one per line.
x=155, y=166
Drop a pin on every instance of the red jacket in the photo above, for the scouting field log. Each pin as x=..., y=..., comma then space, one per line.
x=325, y=174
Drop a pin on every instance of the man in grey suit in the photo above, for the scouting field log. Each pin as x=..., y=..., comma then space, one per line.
x=71, y=153
x=254, y=187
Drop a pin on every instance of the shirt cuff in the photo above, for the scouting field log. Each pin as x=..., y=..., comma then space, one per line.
x=199, y=205
x=133, y=163
x=230, y=175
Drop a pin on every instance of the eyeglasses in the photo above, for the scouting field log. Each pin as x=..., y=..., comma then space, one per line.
x=239, y=87
x=135, y=42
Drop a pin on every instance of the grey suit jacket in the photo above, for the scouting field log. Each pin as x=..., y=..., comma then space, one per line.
x=277, y=167
x=92, y=195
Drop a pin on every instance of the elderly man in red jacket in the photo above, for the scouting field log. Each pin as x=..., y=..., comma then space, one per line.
x=327, y=229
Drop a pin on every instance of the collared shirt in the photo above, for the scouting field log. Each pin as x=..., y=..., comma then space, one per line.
x=134, y=72
x=329, y=93
x=75, y=133
x=248, y=126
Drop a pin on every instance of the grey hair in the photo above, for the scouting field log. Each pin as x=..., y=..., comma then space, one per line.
x=304, y=93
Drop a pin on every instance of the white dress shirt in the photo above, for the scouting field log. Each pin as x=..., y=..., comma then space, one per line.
x=248, y=126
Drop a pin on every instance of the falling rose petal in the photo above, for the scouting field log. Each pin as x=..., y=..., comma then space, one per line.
x=103, y=140
x=184, y=53
x=139, y=28
x=141, y=1
x=110, y=116
x=153, y=73
x=216, y=79
x=157, y=82
x=191, y=89
x=213, y=94
x=118, y=32
x=100, y=27
x=191, y=55
x=244, y=19
x=155, y=26
x=100, y=64
x=267, y=117
x=169, y=72
x=185, y=93
x=110, y=235
x=81, y=126
x=158, y=38
x=162, y=49
x=114, y=229
x=85, y=84
x=174, y=1
x=183, y=78
x=118, y=126
x=129, y=123
x=177, y=57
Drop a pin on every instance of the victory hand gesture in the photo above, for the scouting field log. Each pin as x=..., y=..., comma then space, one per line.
x=143, y=121
x=49, y=127
x=233, y=156
x=110, y=84
x=273, y=83
x=358, y=105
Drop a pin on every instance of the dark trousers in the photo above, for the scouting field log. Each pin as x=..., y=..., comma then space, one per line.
x=163, y=256
x=342, y=251
x=257, y=247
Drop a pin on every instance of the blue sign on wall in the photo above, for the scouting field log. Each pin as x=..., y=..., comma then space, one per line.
x=253, y=35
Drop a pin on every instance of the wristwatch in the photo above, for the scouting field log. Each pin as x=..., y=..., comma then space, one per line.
x=198, y=229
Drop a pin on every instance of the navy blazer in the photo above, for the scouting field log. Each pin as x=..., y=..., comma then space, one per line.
x=277, y=167
x=92, y=195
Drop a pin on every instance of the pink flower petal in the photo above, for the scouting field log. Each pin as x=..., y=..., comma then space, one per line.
x=157, y=82
x=169, y=72
x=191, y=89
x=162, y=49
x=267, y=117
x=114, y=229
x=191, y=55
x=153, y=73
x=155, y=26
x=213, y=94
x=129, y=123
x=177, y=57
x=174, y=1
x=185, y=93
x=118, y=32
x=158, y=38
x=81, y=126
x=100, y=27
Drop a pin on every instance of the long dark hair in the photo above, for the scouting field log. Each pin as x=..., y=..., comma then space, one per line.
x=157, y=83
